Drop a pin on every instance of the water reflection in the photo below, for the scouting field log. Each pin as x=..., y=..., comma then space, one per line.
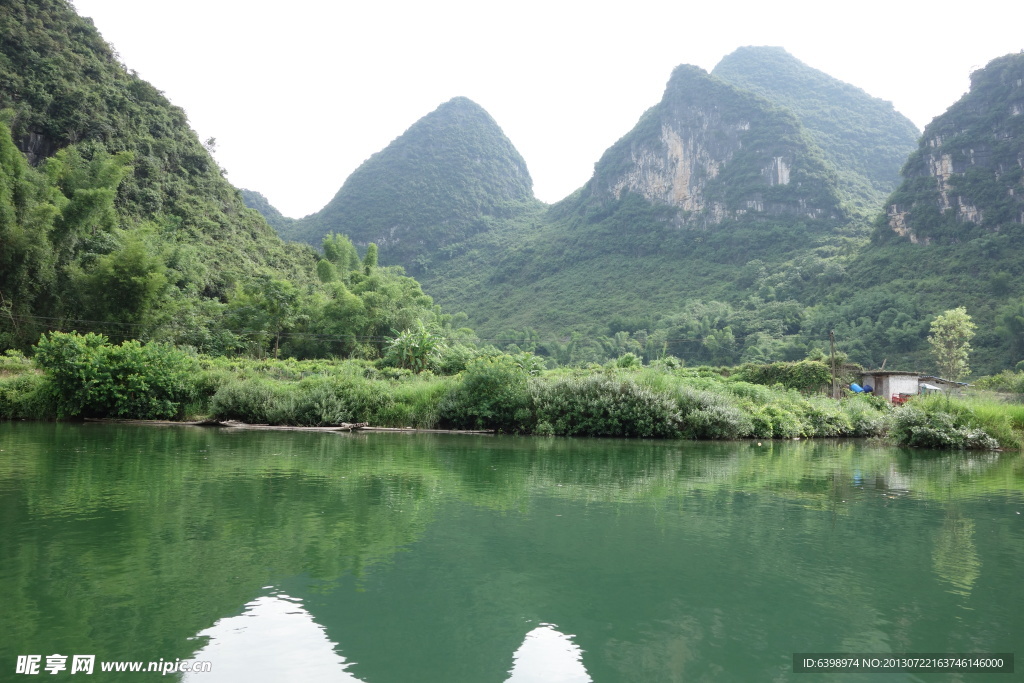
x=547, y=656
x=424, y=556
x=274, y=640
x=955, y=555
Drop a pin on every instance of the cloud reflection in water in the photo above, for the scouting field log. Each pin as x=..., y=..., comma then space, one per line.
x=274, y=640
x=547, y=656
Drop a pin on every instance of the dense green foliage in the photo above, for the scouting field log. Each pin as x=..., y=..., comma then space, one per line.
x=864, y=138
x=912, y=426
x=115, y=219
x=123, y=224
x=974, y=149
x=433, y=186
x=806, y=375
x=91, y=378
x=86, y=376
x=113, y=216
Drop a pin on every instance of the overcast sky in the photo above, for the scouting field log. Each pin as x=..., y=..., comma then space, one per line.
x=298, y=93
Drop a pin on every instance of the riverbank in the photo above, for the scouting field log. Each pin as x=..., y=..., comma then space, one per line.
x=493, y=394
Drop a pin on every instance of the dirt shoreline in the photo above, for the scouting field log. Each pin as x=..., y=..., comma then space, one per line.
x=234, y=424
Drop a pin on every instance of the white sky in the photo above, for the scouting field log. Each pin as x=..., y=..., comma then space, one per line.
x=298, y=93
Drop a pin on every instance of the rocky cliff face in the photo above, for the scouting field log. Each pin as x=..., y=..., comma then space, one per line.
x=967, y=177
x=717, y=153
x=863, y=137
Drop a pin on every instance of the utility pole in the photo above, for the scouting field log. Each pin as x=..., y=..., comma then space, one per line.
x=832, y=362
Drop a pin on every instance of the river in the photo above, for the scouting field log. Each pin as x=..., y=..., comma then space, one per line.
x=413, y=558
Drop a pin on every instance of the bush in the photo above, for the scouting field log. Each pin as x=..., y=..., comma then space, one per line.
x=605, y=406
x=709, y=415
x=911, y=426
x=256, y=401
x=13, y=362
x=315, y=403
x=772, y=421
x=825, y=418
x=805, y=375
x=417, y=402
x=494, y=394
x=312, y=402
x=628, y=360
x=865, y=416
x=756, y=394
x=27, y=397
x=91, y=378
x=1006, y=381
x=454, y=359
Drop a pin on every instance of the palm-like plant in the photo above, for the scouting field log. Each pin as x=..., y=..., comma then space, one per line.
x=414, y=348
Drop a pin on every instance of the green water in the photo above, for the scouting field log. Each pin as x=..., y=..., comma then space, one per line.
x=397, y=558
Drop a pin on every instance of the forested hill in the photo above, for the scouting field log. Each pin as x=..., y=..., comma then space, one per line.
x=953, y=232
x=115, y=218
x=710, y=179
x=61, y=85
x=433, y=186
x=964, y=180
x=717, y=230
x=863, y=137
x=716, y=153
x=278, y=221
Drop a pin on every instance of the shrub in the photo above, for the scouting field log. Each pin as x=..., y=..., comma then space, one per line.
x=1006, y=381
x=911, y=426
x=628, y=360
x=494, y=394
x=14, y=362
x=825, y=417
x=418, y=403
x=27, y=397
x=91, y=378
x=605, y=406
x=256, y=401
x=755, y=393
x=453, y=359
x=709, y=415
x=865, y=416
x=317, y=403
x=805, y=375
x=774, y=421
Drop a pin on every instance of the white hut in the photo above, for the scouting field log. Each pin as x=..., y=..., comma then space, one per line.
x=893, y=385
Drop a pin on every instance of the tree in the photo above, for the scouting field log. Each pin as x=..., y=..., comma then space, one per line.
x=265, y=307
x=415, y=348
x=326, y=271
x=370, y=260
x=951, y=333
x=125, y=286
x=340, y=251
x=1011, y=325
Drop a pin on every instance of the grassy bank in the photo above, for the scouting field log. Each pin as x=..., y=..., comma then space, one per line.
x=73, y=377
